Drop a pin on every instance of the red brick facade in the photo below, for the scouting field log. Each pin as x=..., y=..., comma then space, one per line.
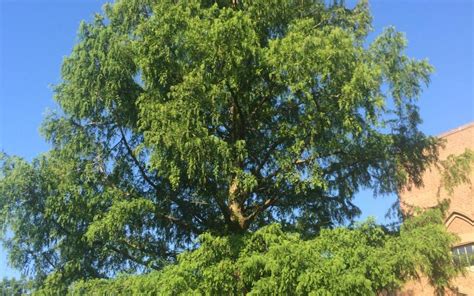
x=461, y=212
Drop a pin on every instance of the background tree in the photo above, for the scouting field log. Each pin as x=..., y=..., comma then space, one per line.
x=184, y=117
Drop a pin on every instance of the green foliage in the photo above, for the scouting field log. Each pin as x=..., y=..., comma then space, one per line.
x=15, y=287
x=185, y=117
x=456, y=169
x=364, y=260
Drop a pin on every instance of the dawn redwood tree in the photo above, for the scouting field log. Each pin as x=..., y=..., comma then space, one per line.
x=359, y=261
x=183, y=117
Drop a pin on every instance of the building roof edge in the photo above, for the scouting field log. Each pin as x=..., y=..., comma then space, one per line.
x=456, y=130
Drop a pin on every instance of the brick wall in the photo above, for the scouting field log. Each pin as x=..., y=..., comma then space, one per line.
x=460, y=218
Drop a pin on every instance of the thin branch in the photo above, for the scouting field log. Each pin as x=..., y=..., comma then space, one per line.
x=177, y=221
x=268, y=153
x=137, y=163
x=127, y=255
x=260, y=208
x=260, y=104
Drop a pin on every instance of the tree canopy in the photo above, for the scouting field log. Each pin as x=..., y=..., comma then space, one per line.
x=179, y=118
x=365, y=260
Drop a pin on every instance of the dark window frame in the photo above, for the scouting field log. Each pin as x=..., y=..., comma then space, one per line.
x=464, y=254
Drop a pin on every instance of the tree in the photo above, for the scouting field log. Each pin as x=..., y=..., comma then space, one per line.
x=184, y=117
x=364, y=260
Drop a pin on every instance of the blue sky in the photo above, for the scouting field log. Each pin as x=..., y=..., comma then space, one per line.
x=35, y=35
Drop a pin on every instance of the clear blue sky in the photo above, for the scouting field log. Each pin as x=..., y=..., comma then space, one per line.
x=35, y=35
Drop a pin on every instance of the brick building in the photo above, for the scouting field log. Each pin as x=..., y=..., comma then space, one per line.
x=460, y=218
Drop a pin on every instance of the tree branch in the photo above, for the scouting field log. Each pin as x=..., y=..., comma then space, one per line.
x=268, y=153
x=177, y=221
x=127, y=255
x=137, y=163
x=260, y=208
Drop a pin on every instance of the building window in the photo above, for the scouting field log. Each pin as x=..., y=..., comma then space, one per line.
x=464, y=254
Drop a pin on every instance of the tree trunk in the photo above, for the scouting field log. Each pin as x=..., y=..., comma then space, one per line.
x=236, y=209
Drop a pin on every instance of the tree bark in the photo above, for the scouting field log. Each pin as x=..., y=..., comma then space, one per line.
x=236, y=208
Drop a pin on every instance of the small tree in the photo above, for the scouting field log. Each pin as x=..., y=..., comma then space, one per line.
x=184, y=117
